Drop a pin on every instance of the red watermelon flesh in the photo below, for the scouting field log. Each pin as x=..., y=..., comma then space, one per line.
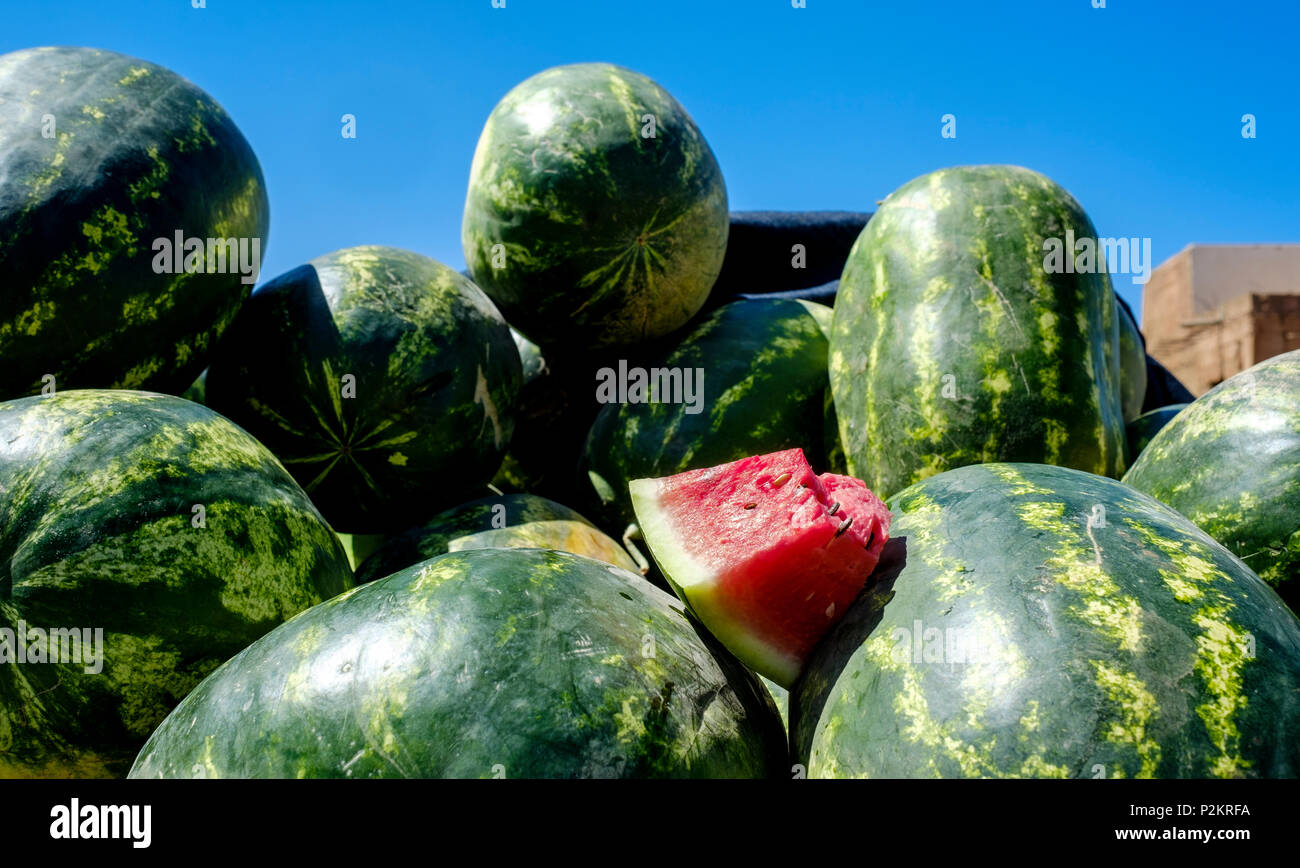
x=767, y=554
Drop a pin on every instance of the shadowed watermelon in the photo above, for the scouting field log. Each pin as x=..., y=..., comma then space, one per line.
x=104, y=159
x=1146, y=426
x=1132, y=366
x=760, y=388
x=596, y=213
x=766, y=553
x=515, y=663
x=384, y=380
x=159, y=522
x=500, y=521
x=1230, y=461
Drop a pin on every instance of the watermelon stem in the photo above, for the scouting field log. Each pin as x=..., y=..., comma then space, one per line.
x=629, y=533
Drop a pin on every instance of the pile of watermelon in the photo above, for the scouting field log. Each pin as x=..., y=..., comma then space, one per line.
x=626, y=498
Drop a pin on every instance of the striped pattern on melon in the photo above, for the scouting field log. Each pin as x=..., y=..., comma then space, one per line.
x=165, y=525
x=100, y=156
x=587, y=222
x=1037, y=621
x=952, y=344
x=1230, y=461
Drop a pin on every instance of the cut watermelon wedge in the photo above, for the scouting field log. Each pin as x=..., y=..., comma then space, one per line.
x=767, y=554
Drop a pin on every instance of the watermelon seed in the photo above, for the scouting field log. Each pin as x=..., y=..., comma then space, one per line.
x=781, y=480
x=848, y=523
x=835, y=507
x=750, y=505
x=830, y=610
x=871, y=535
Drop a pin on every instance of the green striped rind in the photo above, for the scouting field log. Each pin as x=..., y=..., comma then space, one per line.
x=198, y=390
x=435, y=370
x=780, y=696
x=98, y=529
x=135, y=153
x=502, y=521
x=1106, y=636
x=764, y=363
x=1230, y=462
x=585, y=231
x=1132, y=366
x=953, y=345
x=1144, y=428
x=513, y=663
x=360, y=546
x=531, y=360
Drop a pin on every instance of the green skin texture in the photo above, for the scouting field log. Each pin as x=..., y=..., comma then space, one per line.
x=952, y=344
x=1230, y=462
x=515, y=663
x=609, y=238
x=137, y=154
x=1143, y=429
x=764, y=364
x=1133, y=367
x=97, y=529
x=1121, y=648
x=198, y=390
x=437, y=374
x=525, y=521
x=780, y=696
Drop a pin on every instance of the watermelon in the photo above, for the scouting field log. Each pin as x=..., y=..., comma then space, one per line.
x=833, y=449
x=767, y=554
x=953, y=344
x=159, y=522
x=553, y=411
x=763, y=364
x=198, y=390
x=1132, y=365
x=514, y=663
x=502, y=521
x=1142, y=429
x=385, y=381
x=781, y=697
x=360, y=546
x=105, y=161
x=596, y=213
x=1230, y=461
x=1028, y=620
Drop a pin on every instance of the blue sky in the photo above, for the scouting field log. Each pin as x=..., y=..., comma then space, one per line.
x=1135, y=108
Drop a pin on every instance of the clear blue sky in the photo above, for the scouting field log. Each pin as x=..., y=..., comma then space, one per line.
x=1134, y=108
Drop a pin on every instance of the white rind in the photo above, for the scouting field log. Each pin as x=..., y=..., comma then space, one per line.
x=695, y=586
